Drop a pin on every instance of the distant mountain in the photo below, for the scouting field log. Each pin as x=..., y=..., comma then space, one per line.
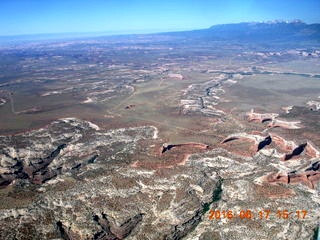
x=280, y=33
x=276, y=31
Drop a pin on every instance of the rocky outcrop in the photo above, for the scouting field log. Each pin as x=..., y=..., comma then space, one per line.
x=171, y=155
x=274, y=122
x=244, y=136
x=311, y=150
x=167, y=147
x=111, y=231
x=283, y=144
x=65, y=232
x=308, y=177
x=306, y=148
x=296, y=152
x=314, y=166
x=230, y=139
x=314, y=105
x=93, y=173
x=179, y=231
x=67, y=157
x=261, y=117
x=257, y=140
x=284, y=124
x=36, y=170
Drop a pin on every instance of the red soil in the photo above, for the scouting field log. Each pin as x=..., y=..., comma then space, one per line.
x=273, y=191
x=175, y=155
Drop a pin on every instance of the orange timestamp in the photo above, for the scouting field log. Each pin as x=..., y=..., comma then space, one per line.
x=263, y=214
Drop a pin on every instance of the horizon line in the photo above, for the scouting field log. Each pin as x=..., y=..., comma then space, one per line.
x=141, y=31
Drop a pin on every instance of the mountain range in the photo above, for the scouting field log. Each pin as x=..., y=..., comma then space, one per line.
x=265, y=32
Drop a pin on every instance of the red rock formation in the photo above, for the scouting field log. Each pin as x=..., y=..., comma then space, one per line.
x=229, y=139
x=296, y=152
x=167, y=147
x=257, y=141
x=309, y=177
x=293, y=151
x=283, y=144
x=261, y=117
x=313, y=177
x=312, y=151
x=277, y=178
x=171, y=155
x=284, y=124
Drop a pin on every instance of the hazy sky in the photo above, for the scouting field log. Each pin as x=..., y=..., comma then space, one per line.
x=58, y=16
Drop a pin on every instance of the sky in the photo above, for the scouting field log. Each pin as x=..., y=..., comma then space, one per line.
x=19, y=17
